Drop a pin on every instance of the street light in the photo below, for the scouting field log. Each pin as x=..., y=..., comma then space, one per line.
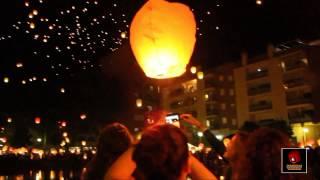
x=39, y=140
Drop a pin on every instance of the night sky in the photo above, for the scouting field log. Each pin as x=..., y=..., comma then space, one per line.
x=63, y=58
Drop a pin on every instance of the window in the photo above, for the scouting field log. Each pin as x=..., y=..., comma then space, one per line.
x=222, y=92
x=208, y=123
x=230, y=78
x=224, y=120
x=234, y=121
x=223, y=106
x=231, y=92
x=221, y=78
x=232, y=105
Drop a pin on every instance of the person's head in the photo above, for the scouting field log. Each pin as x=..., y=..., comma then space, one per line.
x=162, y=153
x=263, y=156
x=236, y=145
x=114, y=139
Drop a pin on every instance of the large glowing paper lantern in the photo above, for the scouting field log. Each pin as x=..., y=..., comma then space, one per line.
x=162, y=37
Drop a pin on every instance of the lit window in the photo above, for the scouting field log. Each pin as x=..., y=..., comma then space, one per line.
x=283, y=65
x=224, y=120
x=234, y=122
x=223, y=106
x=230, y=78
x=206, y=96
x=208, y=123
x=305, y=61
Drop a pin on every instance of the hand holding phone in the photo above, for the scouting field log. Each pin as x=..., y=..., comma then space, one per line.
x=173, y=119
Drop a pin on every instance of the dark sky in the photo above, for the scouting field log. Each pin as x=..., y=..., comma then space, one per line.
x=83, y=37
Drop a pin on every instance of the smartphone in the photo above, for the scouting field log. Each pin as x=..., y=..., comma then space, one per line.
x=174, y=119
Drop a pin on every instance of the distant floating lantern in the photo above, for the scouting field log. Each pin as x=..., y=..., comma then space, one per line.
x=6, y=80
x=65, y=134
x=123, y=35
x=63, y=123
x=9, y=120
x=83, y=116
x=35, y=12
x=193, y=69
x=37, y=120
x=139, y=102
x=32, y=25
x=163, y=42
x=200, y=75
x=19, y=65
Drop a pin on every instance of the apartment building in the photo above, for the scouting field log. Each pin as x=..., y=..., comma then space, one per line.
x=281, y=85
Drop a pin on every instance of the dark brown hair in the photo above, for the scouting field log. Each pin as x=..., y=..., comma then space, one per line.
x=114, y=140
x=162, y=153
x=263, y=156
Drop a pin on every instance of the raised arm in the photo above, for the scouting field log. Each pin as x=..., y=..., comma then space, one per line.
x=122, y=168
x=211, y=138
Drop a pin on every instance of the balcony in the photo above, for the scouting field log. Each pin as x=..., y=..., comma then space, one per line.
x=304, y=116
x=209, y=83
x=295, y=65
x=294, y=82
x=257, y=74
x=299, y=100
x=265, y=88
x=177, y=92
x=260, y=106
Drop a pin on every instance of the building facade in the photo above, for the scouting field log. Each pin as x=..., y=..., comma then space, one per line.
x=281, y=85
x=209, y=96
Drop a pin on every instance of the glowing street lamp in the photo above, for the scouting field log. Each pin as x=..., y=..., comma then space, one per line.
x=163, y=43
x=39, y=140
x=83, y=143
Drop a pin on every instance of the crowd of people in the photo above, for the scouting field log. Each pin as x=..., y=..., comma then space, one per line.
x=163, y=153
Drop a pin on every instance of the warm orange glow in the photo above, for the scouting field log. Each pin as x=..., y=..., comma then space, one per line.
x=162, y=37
x=37, y=120
x=83, y=116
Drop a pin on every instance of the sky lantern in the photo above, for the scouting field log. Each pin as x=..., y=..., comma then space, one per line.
x=139, y=102
x=63, y=123
x=162, y=38
x=37, y=120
